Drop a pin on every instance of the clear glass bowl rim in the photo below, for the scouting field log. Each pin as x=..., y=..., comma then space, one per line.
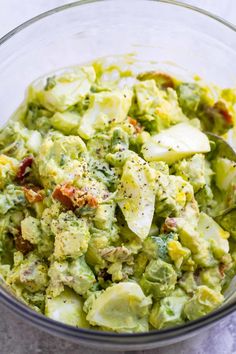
x=68, y=331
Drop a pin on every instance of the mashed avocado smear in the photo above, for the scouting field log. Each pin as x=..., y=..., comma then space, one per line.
x=118, y=199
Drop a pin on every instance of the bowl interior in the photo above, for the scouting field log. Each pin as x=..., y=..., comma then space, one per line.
x=174, y=37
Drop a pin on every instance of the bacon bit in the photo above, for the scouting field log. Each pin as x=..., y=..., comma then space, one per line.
x=197, y=273
x=222, y=268
x=162, y=80
x=217, y=112
x=135, y=124
x=33, y=193
x=63, y=199
x=22, y=245
x=221, y=108
x=169, y=225
x=73, y=198
x=22, y=170
x=104, y=275
x=91, y=201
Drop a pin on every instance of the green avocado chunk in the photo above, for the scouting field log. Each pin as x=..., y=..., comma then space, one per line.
x=159, y=279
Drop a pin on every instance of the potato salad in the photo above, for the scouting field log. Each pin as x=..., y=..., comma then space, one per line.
x=118, y=198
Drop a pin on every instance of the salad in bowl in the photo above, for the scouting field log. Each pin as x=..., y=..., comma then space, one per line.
x=117, y=198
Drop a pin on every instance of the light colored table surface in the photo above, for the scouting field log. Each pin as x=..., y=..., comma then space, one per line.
x=17, y=337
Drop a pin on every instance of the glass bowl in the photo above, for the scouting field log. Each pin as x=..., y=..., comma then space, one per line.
x=165, y=34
